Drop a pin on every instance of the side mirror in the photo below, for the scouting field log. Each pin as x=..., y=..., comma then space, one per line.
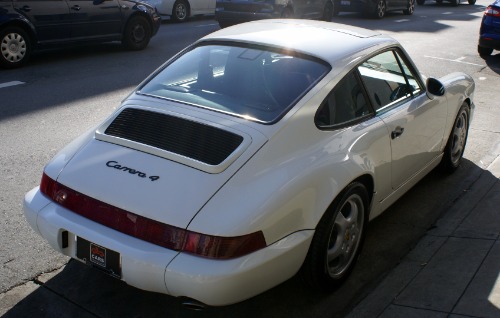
x=435, y=87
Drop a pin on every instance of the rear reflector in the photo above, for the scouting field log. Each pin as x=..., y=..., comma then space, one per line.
x=168, y=236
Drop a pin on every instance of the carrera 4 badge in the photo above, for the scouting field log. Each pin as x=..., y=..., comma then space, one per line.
x=116, y=165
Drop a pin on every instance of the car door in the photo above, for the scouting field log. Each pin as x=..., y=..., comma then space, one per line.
x=415, y=122
x=51, y=18
x=95, y=19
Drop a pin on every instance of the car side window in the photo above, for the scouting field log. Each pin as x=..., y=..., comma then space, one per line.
x=388, y=80
x=345, y=103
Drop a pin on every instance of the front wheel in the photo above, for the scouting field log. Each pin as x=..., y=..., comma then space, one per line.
x=455, y=146
x=337, y=240
x=410, y=8
x=15, y=47
x=180, y=12
x=137, y=33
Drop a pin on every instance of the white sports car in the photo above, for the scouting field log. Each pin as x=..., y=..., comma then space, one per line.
x=258, y=152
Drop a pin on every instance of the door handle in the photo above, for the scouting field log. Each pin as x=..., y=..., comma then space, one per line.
x=76, y=8
x=26, y=8
x=397, y=132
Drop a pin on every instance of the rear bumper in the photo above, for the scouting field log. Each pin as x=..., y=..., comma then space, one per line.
x=490, y=41
x=153, y=268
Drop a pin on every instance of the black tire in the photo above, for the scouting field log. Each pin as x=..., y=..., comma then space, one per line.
x=15, y=47
x=341, y=232
x=455, y=2
x=180, y=11
x=287, y=13
x=484, y=51
x=379, y=9
x=328, y=12
x=137, y=33
x=472, y=2
x=439, y=1
x=410, y=8
x=420, y=2
x=454, y=150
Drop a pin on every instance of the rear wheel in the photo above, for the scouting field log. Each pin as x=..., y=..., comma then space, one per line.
x=455, y=146
x=15, y=47
x=328, y=12
x=180, y=11
x=337, y=240
x=380, y=8
x=137, y=33
x=410, y=7
x=472, y=1
x=484, y=51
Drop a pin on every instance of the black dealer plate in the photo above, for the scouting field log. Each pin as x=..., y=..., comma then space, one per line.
x=99, y=257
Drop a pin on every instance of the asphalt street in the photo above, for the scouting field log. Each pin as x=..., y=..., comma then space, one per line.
x=63, y=93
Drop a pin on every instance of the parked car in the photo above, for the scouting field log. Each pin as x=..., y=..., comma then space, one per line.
x=258, y=152
x=181, y=10
x=230, y=12
x=489, y=32
x=453, y=2
x=374, y=8
x=30, y=25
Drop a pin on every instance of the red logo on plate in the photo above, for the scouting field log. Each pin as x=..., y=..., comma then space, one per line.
x=98, y=255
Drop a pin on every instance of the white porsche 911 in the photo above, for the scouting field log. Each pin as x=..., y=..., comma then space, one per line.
x=258, y=152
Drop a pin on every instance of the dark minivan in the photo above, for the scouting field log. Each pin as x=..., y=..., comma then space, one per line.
x=28, y=25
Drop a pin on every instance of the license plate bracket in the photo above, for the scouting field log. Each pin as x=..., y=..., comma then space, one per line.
x=99, y=257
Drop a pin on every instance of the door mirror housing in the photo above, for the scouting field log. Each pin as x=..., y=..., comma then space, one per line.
x=434, y=87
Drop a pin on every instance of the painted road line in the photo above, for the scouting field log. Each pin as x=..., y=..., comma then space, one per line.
x=459, y=60
x=13, y=83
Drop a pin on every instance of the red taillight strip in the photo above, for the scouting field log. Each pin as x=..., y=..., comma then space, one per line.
x=149, y=230
x=492, y=12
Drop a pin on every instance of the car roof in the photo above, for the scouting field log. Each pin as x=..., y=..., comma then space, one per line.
x=328, y=41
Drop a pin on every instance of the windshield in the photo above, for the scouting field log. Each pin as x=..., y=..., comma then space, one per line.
x=250, y=82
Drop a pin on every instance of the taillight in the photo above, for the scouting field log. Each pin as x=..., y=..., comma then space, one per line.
x=492, y=12
x=168, y=236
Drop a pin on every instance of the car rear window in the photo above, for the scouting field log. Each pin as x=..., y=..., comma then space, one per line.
x=255, y=83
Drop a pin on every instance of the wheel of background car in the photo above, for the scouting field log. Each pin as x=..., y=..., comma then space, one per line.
x=439, y=1
x=15, y=47
x=137, y=33
x=287, y=13
x=455, y=146
x=455, y=2
x=338, y=239
x=484, y=51
x=328, y=12
x=421, y=2
x=472, y=1
x=380, y=9
x=410, y=8
x=180, y=12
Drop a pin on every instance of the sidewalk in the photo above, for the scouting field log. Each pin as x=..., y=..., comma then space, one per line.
x=454, y=271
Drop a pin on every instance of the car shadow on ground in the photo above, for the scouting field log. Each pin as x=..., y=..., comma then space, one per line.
x=81, y=291
x=493, y=62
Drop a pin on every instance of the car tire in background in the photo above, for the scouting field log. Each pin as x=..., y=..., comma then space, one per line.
x=455, y=2
x=328, y=12
x=180, y=11
x=137, y=33
x=338, y=239
x=15, y=47
x=472, y=2
x=379, y=9
x=421, y=2
x=455, y=146
x=410, y=8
